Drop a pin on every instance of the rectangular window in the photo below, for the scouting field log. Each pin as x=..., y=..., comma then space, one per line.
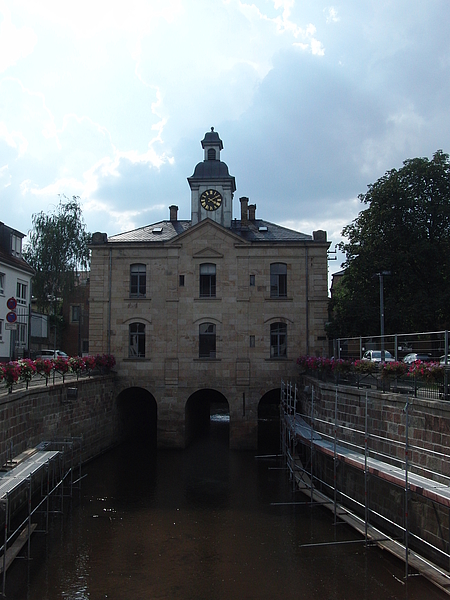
x=207, y=340
x=137, y=340
x=16, y=245
x=207, y=280
x=252, y=341
x=1, y=330
x=252, y=280
x=85, y=346
x=21, y=294
x=278, y=280
x=278, y=340
x=138, y=281
x=181, y=280
x=2, y=283
x=75, y=313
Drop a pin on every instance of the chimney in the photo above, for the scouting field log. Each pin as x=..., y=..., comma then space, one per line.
x=244, y=210
x=251, y=212
x=173, y=212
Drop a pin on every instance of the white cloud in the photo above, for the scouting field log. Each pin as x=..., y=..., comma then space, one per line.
x=15, y=43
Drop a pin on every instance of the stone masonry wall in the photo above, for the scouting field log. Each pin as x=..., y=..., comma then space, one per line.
x=47, y=413
x=428, y=439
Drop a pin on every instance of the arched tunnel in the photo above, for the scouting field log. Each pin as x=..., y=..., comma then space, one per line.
x=137, y=416
x=205, y=409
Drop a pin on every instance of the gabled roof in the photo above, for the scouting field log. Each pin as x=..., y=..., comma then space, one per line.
x=256, y=230
x=15, y=262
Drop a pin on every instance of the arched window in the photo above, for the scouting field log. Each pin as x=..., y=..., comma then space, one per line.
x=207, y=340
x=278, y=340
x=138, y=280
x=211, y=154
x=136, y=348
x=207, y=280
x=278, y=280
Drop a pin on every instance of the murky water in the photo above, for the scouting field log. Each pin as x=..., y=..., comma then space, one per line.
x=200, y=524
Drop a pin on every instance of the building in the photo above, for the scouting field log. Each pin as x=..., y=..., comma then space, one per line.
x=15, y=278
x=75, y=310
x=210, y=303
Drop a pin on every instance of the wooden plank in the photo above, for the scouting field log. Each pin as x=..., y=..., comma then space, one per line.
x=16, y=547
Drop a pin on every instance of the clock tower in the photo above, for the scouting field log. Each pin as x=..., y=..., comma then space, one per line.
x=212, y=187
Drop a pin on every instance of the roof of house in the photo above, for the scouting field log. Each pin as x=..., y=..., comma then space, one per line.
x=256, y=230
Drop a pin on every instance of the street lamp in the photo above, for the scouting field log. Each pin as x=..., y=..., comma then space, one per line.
x=381, y=275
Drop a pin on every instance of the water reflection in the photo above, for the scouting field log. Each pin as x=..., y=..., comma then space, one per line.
x=201, y=524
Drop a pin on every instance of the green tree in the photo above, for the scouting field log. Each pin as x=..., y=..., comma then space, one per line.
x=57, y=249
x=406, y=231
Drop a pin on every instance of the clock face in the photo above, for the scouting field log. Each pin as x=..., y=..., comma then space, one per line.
x=211, y=199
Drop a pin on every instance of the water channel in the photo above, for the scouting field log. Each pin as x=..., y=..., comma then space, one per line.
x=205, y=523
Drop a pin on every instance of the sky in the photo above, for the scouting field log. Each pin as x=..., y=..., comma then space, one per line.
x=109, y=101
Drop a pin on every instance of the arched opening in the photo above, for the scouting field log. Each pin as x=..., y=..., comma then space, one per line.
x=207, y=413
x=137, y=416
x=269, y=422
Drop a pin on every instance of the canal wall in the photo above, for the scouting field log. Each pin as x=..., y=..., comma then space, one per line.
x=428, y=436
x=84, y=408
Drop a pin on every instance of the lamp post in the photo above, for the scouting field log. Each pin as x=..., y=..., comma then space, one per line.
x=381, y=275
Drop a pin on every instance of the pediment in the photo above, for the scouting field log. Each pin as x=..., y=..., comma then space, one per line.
x=207, y=253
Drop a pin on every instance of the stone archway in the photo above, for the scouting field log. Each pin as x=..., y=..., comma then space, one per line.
x=206, y=408
x=269, y=422
x=138, y=415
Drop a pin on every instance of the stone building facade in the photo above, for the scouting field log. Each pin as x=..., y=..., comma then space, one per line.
x=210, y=303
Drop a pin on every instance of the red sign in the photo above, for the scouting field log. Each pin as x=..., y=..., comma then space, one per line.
x=11, y=303
x=11, y=317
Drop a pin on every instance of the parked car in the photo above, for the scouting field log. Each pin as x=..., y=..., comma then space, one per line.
x=52, y=354
x=375, y=356
x=442, y=360
x=413, y=357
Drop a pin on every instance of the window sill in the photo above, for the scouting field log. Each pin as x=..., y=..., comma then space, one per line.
x=136, y=299
x=208, y=299
x=136, y=359
x=279, y=299
x=277, y=359
x=207, y=359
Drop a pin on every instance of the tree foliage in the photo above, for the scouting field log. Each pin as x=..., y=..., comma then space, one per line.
x=406, y=231
x=57, y=249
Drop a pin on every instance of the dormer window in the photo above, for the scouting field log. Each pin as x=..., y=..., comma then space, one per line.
x=16, y=246
x=211, y=154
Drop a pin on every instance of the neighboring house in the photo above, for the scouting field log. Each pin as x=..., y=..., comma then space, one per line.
x=15, y=278
x=75, y=335
x=212, y=302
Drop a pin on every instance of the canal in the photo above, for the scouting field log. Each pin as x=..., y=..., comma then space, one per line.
x=205, y=523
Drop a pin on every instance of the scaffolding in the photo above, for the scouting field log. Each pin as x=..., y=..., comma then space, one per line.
x=35, y=484
x=307, y=440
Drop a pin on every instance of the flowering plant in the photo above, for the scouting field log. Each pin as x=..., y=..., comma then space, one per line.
x=365, y=367
x=27, y=369
x=61, y=364
x=76, y=364
x=429, y=371
x=43, y=366
x=106, y=361
x=340, y=365
x=11, y=374
x=89, y=362
x=396, y=369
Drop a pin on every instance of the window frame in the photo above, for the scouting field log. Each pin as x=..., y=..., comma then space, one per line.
x=278, y=340
x=138, y=280
x=207, y=280
x=22, y=292
x=2, y=283
x=278, y=280
x=207, y=340
x=139, y=343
